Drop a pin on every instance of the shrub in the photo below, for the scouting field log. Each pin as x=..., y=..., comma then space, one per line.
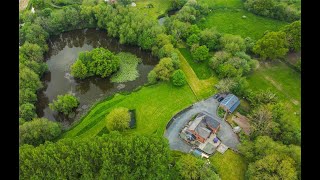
x=178, y=78
x=118, y=119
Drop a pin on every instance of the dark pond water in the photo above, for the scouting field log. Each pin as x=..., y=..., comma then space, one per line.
x=63, y=51
x=169, y=13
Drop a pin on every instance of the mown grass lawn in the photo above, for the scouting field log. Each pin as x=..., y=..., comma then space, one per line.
x=226, y=17
x=230, y=165
x=202, y=69
x=285, y=82
x=154, y=105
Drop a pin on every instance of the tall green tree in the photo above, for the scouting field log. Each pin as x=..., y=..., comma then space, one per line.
x=38, y=131
x=272, y=45
x=200, y=53
x=293, y=35
x=272, y=167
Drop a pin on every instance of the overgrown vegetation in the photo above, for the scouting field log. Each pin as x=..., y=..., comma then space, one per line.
x=127, y=68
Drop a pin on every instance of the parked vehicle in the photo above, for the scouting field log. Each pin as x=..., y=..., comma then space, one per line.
x=216, y=96
x=220, y=99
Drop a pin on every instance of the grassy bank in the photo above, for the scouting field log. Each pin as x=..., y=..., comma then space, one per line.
x=154, y=105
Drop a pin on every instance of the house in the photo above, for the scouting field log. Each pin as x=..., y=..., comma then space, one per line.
x=202, y=127
x=230, y=103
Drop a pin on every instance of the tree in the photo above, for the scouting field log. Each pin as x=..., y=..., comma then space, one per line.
x=118, y=119
x=263, y=146
x=64, y=104
x=27, y=111
x=293, y=35
x=227, y=70
x=200, y=53
x=272, y=45
x=99, y=61
x=152, y=77
x=262, y=122
x=27, y=95
x=178, y=78
x=272, y=167
x=190, y=167
x=164, y=69
x=210, y=38
x=219, y=57
x=125, y=2
x=34, y=34
x=232, y=43
x=28, y=79
x=38, y=131
x=31, y=52
x=112, y=156
x=79, y=70
x=193, y=39
x=225, y=85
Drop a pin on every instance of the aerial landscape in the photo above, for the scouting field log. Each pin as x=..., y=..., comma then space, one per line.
x=160, y=89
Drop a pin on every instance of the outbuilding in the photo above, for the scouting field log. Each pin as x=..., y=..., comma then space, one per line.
x=230, y=103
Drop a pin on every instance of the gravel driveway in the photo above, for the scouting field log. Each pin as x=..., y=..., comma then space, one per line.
x=208, y=106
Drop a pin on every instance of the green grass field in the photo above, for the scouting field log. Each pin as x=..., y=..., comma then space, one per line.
x=285, y=82
x=230, y=166
x=231, y=22
x=222, y=3
x=202, y=69
x=159, y=7
x=154, y=105
x=226, y=16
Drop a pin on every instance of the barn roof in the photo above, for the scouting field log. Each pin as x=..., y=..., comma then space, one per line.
x=231, y=102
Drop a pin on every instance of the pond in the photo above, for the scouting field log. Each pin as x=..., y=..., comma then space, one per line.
x=169, y=13
x=63, y=51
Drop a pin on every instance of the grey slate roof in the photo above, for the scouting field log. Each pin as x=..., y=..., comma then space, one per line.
x=203, y=132
x=231, y=102
x=212, y=122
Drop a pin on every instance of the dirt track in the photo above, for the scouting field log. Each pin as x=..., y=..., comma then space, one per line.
x=23, y=4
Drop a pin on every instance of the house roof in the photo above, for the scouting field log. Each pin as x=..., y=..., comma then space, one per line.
x=200, y=123
x=231, y=102
x=212, y=122
x=203, y=132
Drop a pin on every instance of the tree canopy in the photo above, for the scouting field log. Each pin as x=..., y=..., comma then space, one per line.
x=272, y=45
x=64, y=103
x=38, y=131
x=111, y=156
